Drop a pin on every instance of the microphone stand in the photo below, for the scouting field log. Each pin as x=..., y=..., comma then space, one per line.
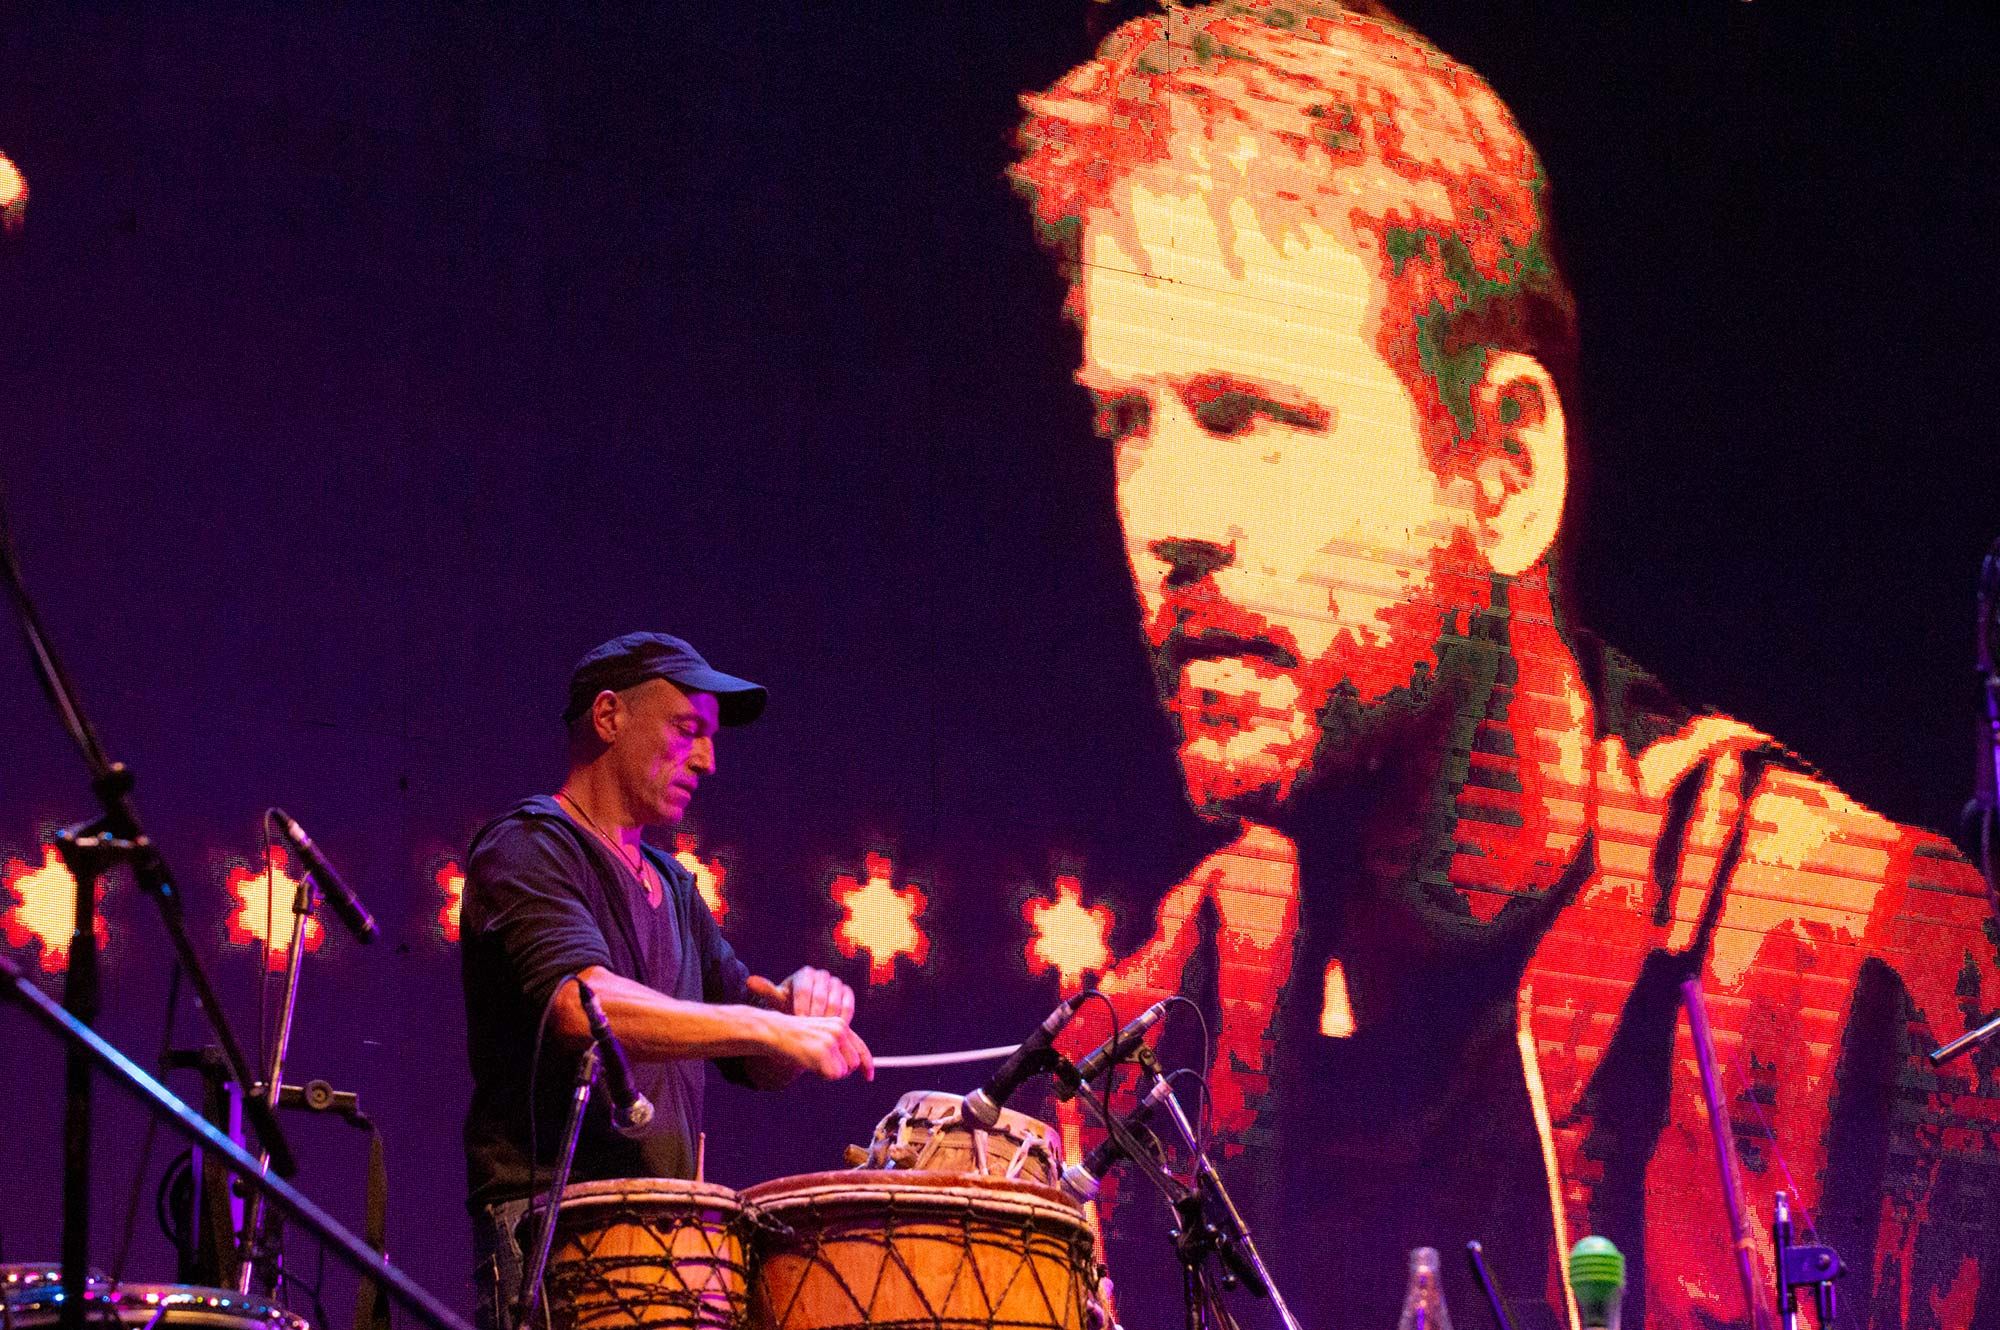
x=113, y=839
x=255, y=1252
x=1207, y=1222
x=528, y=1300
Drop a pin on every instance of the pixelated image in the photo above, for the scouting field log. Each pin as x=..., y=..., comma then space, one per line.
x=1473, y=852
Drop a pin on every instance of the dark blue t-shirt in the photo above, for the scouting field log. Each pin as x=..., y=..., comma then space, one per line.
x=545, y=899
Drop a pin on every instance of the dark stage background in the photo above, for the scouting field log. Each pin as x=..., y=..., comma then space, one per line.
x=359, y=370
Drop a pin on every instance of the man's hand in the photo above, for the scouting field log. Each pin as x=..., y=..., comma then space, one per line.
x=811, y=992
x=824, y=1045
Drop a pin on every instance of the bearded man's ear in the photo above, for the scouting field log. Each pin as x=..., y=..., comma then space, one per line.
x=1523, y=471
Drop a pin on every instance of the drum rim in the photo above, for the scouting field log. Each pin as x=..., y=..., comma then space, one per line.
x=914, y=1187
x=608, y=1191
x=221, y=1301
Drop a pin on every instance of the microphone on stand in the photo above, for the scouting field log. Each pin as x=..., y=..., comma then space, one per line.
x=1034, y=1056
x=1083, y=1181
x=1113, y=1050
x=630, y=1110
x=338, y=894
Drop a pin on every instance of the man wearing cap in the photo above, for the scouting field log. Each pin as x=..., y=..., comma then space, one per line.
x=562, y=886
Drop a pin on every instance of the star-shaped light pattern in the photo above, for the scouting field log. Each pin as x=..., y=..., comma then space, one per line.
x=451, y=881
x=263, y=913
x=41, y=908
x=13, y=207
x=880, y=918
x=709, y=874
x=1067, y=936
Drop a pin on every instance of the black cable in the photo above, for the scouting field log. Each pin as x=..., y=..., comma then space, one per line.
x=131, y=1221
x=1202, y=1106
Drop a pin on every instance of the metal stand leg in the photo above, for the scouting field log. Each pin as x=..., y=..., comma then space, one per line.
x=530, y=1298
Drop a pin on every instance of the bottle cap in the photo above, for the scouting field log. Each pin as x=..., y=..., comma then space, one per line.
x=1594, y=1263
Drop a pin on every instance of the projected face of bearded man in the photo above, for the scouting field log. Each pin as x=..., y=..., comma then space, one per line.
x=1324, y=455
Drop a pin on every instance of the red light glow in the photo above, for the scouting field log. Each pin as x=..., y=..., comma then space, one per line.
x=263, y=913
x=451, y=881
x=709, y=874
x=1067, y=936
x=43, y=910
x=13, y=203
x=880, y=918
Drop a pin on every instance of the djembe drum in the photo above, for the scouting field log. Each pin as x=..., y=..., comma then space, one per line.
x=943, y=1251
x=647, y=1252
x=927, y=1131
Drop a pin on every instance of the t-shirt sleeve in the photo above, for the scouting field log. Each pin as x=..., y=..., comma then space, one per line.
x=524, y=887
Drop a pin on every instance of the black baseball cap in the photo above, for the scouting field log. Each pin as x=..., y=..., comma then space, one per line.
x=628, y=661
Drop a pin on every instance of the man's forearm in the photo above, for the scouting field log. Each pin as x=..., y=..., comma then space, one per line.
x=656, y=1028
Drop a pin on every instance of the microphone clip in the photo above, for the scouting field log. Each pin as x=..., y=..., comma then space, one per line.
x=1800, y=1268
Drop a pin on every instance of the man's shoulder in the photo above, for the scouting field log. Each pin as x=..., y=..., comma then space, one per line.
x=1804, y=849
x=534, y=830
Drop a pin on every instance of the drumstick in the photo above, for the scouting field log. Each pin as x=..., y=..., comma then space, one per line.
x=763, y=993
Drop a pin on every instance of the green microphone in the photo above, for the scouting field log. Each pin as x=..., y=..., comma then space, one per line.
x=1597, y=1282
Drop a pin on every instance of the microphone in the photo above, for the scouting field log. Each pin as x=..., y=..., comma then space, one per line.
x=1113, y=1050
x=1597, y=1282
x=1031, y=1058
x=338, y=894
x=1083, y=1181
x=630, y=1110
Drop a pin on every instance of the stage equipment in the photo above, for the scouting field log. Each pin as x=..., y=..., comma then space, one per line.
x=1475, y=1256
x=1112, y=1051
x=529, y=1296
x=1742, y=1237
x=1802, y=1268
x=1423, y=1303
x=116, y=838
x=1085, y=1180
x=631, y=1112
x=653, y=1252
x=338, y=894
x=258, y=1253
x=32, y=1298
x=1982, y=813
x=929, y=1131
x=840, y=1251
x=164, y=1105
x=1597, y=1282
x=1035, y=1055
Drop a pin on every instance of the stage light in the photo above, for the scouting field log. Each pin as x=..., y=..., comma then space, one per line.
x=43, y=909
x=880, y=918
x=1067, y=936
x=263, y=912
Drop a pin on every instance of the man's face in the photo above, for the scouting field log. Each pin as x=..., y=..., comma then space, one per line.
x=1285, y=531
x=663, y=748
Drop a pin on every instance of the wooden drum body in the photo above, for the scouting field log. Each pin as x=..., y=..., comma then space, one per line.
x=648, y=1252
x=938, y=1250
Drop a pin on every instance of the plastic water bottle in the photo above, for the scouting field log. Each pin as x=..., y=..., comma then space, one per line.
x=1423, y=1305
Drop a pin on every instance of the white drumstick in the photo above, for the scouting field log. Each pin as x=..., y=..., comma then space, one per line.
x=945, y=1059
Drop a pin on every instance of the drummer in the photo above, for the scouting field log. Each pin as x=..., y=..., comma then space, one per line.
x=563, y=885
